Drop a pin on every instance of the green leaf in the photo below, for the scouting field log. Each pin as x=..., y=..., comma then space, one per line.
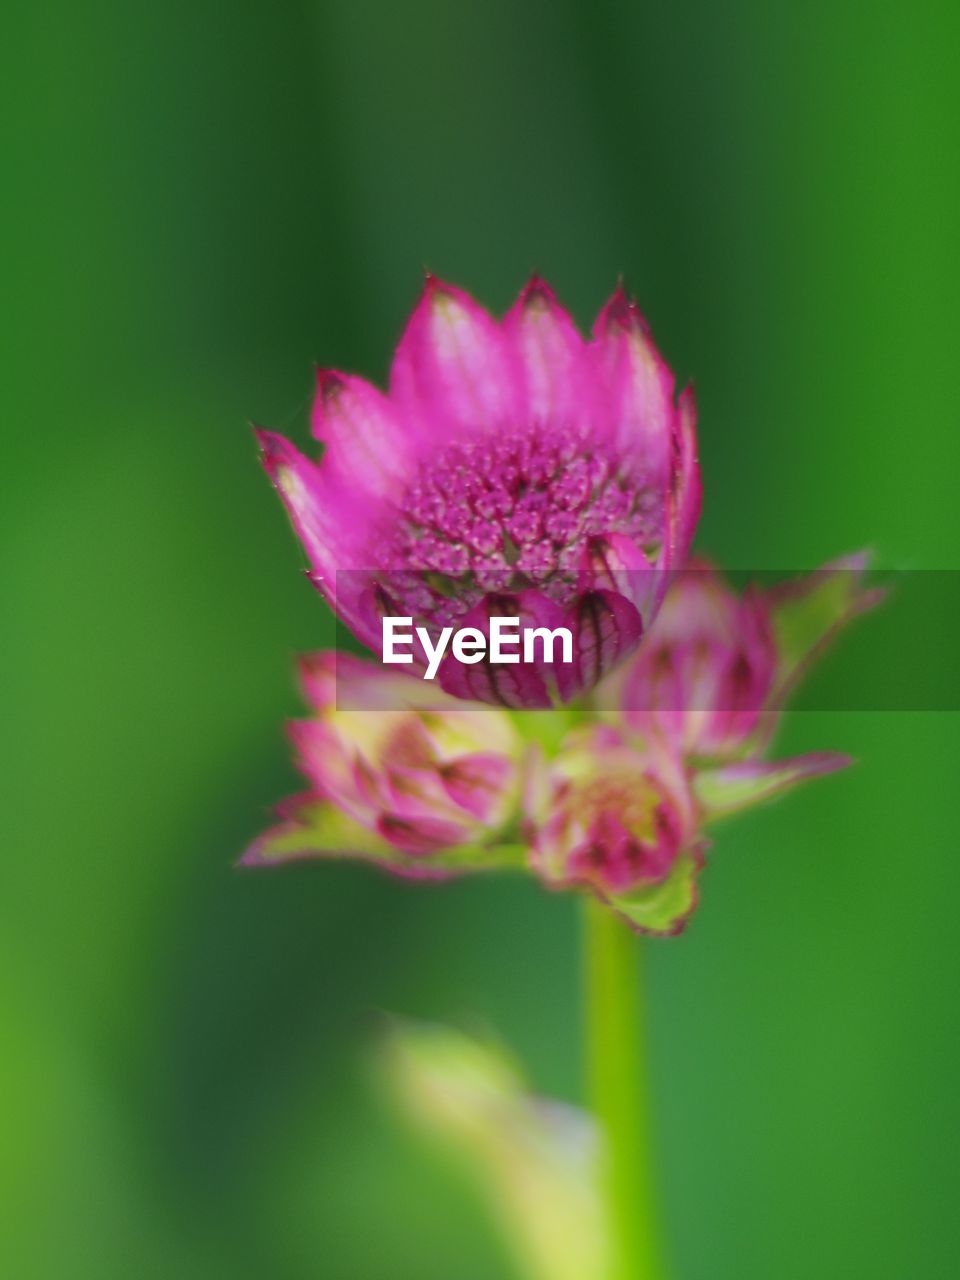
x=321, y=830
x=808, y=613
x=663, y=908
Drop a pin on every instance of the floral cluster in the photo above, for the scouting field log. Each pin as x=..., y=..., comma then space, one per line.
x=516, y=467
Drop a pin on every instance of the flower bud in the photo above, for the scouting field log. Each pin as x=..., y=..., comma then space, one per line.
x=424, y=789
x=620, y=822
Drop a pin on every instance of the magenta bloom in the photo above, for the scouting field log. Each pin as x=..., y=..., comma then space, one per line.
x=423, y=790
x=715, y=671
x=706, y=669
x=620, y=820
x=620, y=808
x=517, y=470
x=513, y=469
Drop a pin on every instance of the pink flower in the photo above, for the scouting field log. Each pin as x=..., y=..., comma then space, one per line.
x=514, y=469
x=423, y=790
x=625, y=818
x=714, y=672
x=613, y=800
x=621, y=821
x=620, y=808
x=706, y=669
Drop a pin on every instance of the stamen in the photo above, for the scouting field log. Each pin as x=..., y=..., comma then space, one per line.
x=517, y=511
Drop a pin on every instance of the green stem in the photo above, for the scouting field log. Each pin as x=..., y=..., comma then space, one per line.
x=617, y=1090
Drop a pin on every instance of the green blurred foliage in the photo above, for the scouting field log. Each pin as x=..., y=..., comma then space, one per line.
x=200, y=200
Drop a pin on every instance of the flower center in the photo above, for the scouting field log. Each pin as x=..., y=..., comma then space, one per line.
x=515, y=513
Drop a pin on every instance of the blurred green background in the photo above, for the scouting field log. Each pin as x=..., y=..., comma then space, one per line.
x=200, y=200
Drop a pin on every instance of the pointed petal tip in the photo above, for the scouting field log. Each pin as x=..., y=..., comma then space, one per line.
x=831, y=761
x=538, y=308
x=330, y=386
x=322, y=581
x=251, y=857
x=620, y=311
x=687, y=399
x=537, y=291
x=438, y=294
x=329, y=382
x=275, y=449
x=281, y=460
x=812, y=764
x=537, y=305
x=268, y=439
x=433, y=286
x=857, y=562
x=430, y=286
x=452, y=365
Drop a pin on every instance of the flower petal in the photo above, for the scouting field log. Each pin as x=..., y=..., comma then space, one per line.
x=522, y=684
x=480, y=784
x=419, y=834
x=733, y=787
x=335, y=529
x=452, y=367
x=704, y=672
x=316, y=508
x=606, y=627
x=685, y=491
x=614, y=562
x=636, y=384
x=555, y=370
x=366, y=444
